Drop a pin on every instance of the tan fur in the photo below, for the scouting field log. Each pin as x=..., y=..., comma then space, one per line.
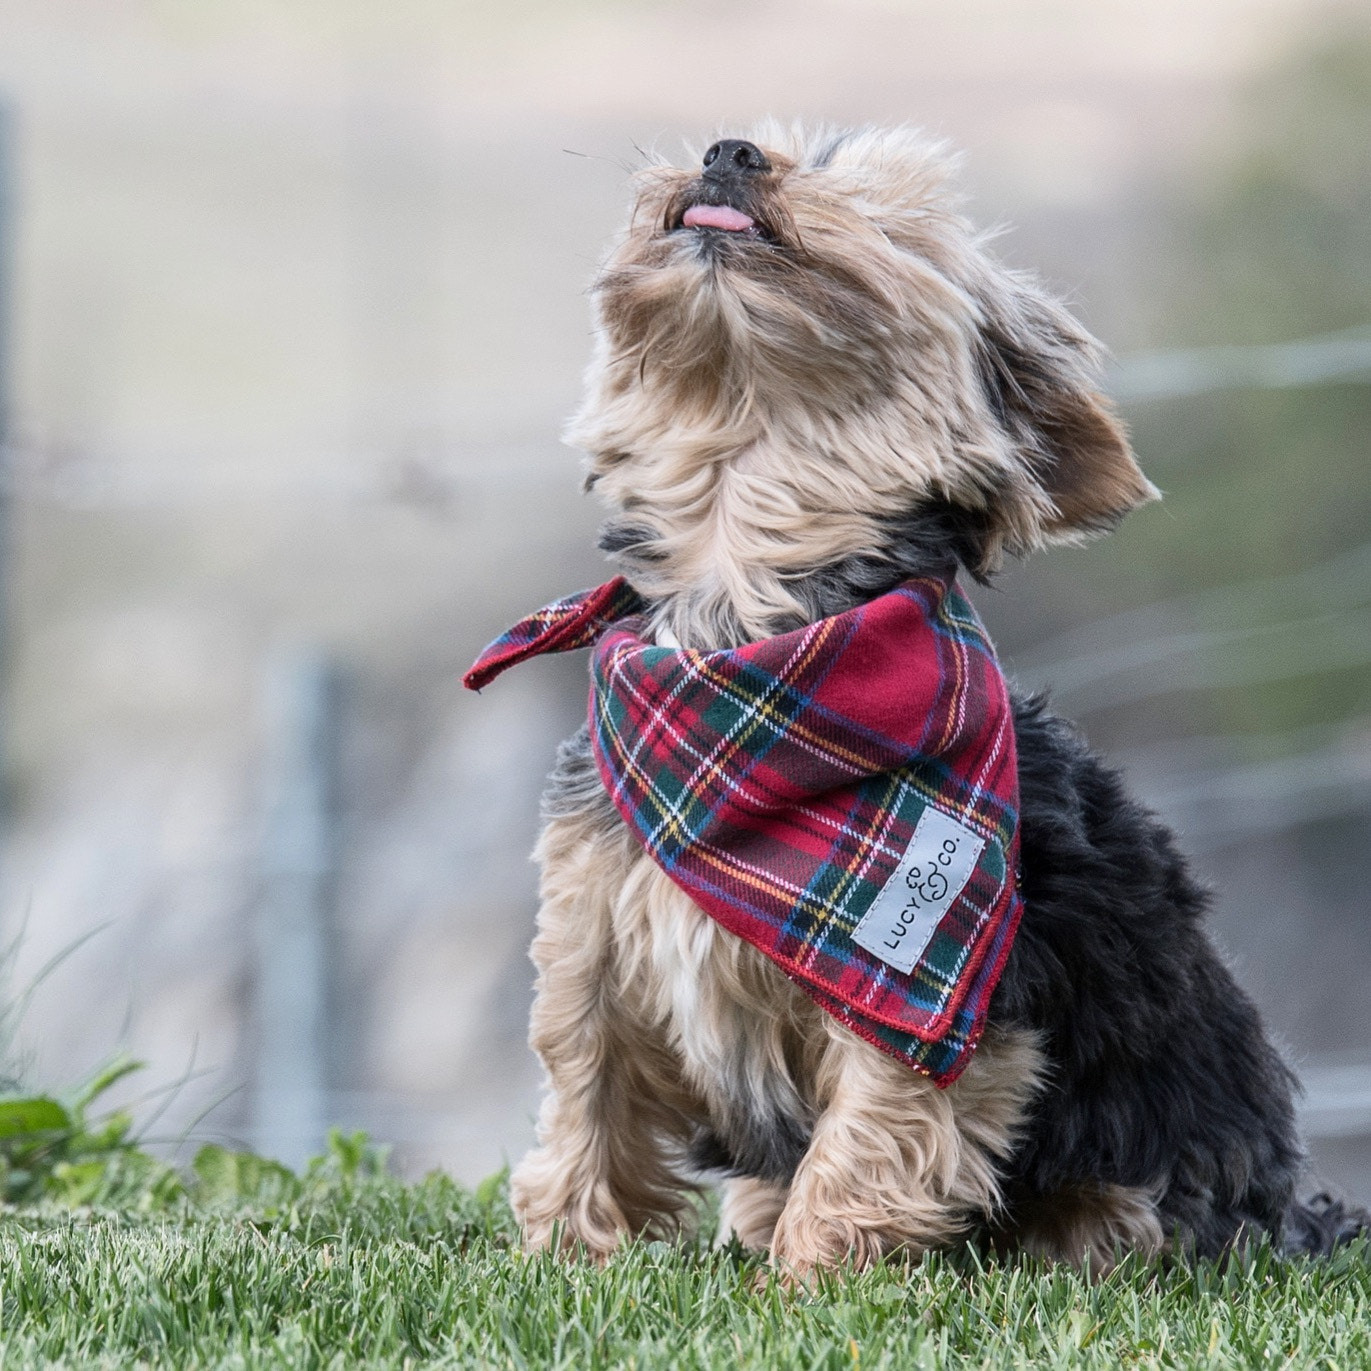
x=616, y=1111
x=897, y=1164
x=760, y=420
x=750, y=1210
x=646, y=1007
x=751, y=419
x=718, y=1000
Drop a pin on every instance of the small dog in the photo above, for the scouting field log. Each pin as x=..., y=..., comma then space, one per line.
x=812, y=382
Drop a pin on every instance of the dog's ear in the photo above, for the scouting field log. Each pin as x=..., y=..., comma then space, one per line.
x=1075, y=475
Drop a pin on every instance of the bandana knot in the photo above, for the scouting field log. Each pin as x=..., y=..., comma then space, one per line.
x=844, y=797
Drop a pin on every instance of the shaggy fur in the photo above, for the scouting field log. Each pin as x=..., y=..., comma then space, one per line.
x=785, y=421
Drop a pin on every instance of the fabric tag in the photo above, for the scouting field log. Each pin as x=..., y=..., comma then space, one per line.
x=907, y=910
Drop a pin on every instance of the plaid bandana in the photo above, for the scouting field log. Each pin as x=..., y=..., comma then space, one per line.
x=843, y=797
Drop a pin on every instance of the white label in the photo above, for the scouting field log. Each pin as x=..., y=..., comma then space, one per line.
x=939, y=861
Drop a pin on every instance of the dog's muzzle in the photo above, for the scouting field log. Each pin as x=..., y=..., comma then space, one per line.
x=724, y=198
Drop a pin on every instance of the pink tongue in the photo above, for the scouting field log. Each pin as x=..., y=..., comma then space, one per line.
x=717, y=216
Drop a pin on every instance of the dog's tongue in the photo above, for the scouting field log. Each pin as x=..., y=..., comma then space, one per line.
x=717, y=216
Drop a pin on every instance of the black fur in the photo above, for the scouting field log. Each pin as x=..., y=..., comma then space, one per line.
x=927, y=541
x=574, y=789
x=751, y=1143
x=1160, y=1073
x=1321, y=1223
x=629, y=542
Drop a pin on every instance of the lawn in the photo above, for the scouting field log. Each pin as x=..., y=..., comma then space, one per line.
x=111, y=1257
x=250, y=1268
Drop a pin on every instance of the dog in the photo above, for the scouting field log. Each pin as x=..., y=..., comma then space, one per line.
x=813, y=383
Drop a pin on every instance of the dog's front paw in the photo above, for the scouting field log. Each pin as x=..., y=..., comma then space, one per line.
x=806, y=1243
x=556, y=1213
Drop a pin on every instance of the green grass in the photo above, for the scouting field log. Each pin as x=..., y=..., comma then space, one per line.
x=110, y=1257
x=338, y=1270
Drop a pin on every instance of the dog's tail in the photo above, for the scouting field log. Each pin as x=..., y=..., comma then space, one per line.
x=1319, y=1224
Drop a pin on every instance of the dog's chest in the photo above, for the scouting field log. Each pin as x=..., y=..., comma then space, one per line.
x=746, y=1036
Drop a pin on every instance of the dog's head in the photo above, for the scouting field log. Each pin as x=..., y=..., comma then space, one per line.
x=819, y=300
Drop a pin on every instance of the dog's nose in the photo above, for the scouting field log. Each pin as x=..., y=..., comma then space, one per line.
x=731, y=157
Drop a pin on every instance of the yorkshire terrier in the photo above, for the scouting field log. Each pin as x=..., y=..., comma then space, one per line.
x=813, y=384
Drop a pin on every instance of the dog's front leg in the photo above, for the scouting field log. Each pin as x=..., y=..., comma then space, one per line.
x=602, y=1169
x=895, y=1164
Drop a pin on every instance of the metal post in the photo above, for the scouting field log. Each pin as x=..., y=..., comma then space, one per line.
x=294, y=913
x=6, y=270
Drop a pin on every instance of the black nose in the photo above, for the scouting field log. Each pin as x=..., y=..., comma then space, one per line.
x=734, y=157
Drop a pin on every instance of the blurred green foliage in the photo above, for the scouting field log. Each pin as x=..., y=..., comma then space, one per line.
x=1283, y=239
x=65, y=1150
x=62, y=1149
x=1272, y=244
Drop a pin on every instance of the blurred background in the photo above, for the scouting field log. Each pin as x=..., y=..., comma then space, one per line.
x=291, y=310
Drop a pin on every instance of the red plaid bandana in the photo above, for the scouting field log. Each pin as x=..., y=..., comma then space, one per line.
x=843, y=797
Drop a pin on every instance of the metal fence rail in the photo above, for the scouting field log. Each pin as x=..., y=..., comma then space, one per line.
x=1174, y=372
